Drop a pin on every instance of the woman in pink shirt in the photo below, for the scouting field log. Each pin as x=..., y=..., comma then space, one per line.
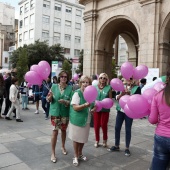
x=160, y=115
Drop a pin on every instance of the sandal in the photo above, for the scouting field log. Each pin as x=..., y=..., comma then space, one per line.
x=75, y=161
x=96, y=144
x=54, y=160
x=83, y=158
x=64, y=151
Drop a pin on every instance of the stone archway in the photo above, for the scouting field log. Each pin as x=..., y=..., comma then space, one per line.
x=164, y=45
x=118, y=25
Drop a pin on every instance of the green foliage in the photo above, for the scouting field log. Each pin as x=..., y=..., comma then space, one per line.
x=80, y=67
x=22, y=65
x=67, y=67
x=37, y=52
x=114, y=72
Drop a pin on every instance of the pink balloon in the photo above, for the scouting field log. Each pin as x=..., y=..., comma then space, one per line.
x=107, y=103
x=33, y=77
x=138, y=104
x=29, y=84
x=44, y=69
x=75, y=77
x=90, y=93
x=134, y=115
x=98, y=105
x=127, y=70
x=117, y=84
x=140, y=71
x=123, y=100
x=35, y=68
x=148, y=94
x=159, y=86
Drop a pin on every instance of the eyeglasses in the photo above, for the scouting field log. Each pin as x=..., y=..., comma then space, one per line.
x=104, y=78
x=63, y=77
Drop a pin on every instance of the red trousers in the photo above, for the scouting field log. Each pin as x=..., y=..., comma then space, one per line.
x=100, y=120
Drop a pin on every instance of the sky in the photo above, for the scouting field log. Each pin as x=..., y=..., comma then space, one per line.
x=13, y=3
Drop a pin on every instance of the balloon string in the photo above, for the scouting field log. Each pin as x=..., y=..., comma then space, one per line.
x=46, y=86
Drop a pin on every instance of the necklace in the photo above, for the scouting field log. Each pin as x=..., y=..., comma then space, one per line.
x=101, y=87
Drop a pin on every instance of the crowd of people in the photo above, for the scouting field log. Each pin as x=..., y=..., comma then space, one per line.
x=63, y=100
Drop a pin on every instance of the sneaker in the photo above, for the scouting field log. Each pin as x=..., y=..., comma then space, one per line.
x=127, y=152
x=19, y=120
x=113, y=148
x=8, y=118
x=46, y=118
x=36, y=112
x=27, y=108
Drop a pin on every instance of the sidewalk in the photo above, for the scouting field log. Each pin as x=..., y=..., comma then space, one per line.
x=26, y=146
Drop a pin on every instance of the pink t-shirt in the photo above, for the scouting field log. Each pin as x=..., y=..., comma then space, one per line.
x=160, y=115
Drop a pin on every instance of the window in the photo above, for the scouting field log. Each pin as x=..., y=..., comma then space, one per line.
x=21, y=10
x=77, y=39
x=26, y=35
x=78, y=12
x=20, y=37
x=67, y=37
x=67, y=50
x=32, y=18
x=57, y=21
x=78, y=26
x=123, y=46
x=26, y=7
x=76, y=52
x=45, y=34
x=46, y=4
x=57, y=36
x=6, y=59
x=57, y=7
x=68, y=9
x=20, y=24
x=32, y=4
x=31, y=34
x=46, y=19
x=26, y=21
x=68, y=23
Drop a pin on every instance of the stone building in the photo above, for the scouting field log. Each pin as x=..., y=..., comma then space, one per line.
x=143, y=24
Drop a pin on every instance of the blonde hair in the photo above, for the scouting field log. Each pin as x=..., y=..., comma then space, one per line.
x=107, y=78
x=82, y=79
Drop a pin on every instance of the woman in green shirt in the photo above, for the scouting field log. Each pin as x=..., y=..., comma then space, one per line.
x=59, y=96
x=79, y=125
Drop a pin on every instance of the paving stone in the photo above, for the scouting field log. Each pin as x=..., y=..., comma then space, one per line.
x=21, y=166
x=3, y=149
x=10, y=137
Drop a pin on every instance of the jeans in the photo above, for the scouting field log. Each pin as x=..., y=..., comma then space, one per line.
x=45, y=106
x=24, y=101
x=128, y=126
x=161, y=155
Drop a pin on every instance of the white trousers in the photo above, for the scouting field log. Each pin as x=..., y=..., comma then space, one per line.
x=15, y=105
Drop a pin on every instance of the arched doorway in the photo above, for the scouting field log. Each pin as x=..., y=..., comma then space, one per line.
x=164, y=46
x=110, y=30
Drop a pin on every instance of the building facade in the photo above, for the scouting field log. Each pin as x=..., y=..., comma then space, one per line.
x=143, y=24
x=54, y=21
x=7, y=18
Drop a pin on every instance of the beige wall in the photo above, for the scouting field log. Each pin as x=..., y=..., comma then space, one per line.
x=140, y=20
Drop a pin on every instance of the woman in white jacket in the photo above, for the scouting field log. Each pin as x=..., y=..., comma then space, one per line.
x=14, y=98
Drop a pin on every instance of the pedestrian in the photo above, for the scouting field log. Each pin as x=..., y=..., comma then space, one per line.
x=59, y=96
x=37, y=92
x=2, y=92
x=55, y=81
x=14, y=98
x=7, y=87
x=45, y=90
x=160, y=115
x=131, y=89
x=142, y=83
x=79, y=125
x=101, y=118
x=24, y=95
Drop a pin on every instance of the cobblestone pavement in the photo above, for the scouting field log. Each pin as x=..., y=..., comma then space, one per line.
x=26, y=146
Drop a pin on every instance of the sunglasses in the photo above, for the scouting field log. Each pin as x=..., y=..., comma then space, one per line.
x=63, y=76
x=104, y=78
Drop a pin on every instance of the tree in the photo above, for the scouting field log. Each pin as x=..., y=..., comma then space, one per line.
x=67, y=67
x=114, y=72
x=80, y=66
x=22, y=65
